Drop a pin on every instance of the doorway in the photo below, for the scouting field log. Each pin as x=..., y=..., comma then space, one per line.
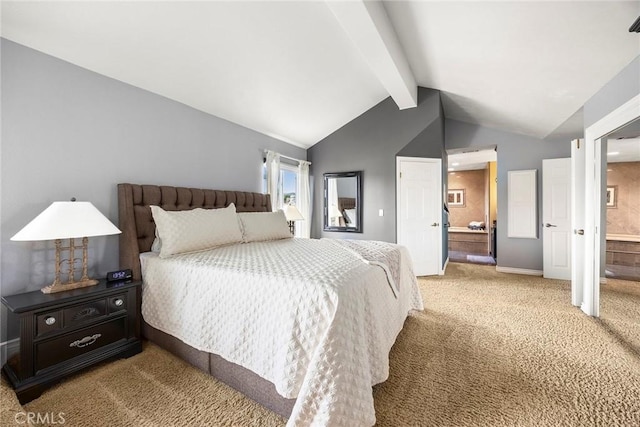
x=472, y=200
x=622, y=204
x=586, y=286
x=620, y=292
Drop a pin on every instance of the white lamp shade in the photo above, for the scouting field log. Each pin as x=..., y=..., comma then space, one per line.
x=292, y=213
x=67, y=220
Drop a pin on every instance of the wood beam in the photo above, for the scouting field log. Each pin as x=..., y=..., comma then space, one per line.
x=369, y=27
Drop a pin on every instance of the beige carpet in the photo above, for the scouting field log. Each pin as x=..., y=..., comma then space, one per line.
x=491, y=349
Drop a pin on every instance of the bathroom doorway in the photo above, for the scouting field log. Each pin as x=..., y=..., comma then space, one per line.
x=622, y=201
x=472, y=202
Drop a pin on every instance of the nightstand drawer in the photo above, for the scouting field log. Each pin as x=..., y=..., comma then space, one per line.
x=86, y=312
x=72, y=316
x=52, y=352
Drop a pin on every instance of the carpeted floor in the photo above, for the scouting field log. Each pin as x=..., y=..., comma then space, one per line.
x=491, y=349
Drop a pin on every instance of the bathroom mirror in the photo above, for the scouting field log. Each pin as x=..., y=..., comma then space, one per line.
x=343, y=201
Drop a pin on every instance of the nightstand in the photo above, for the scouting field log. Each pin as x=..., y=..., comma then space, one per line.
x=65, y=332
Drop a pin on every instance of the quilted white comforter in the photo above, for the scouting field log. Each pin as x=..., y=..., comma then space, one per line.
x=308, y=315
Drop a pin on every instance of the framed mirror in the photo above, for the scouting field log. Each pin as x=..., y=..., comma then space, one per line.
x=343, y=201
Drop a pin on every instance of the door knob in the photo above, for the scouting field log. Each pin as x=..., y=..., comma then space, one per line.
x=579, y=231
x=435, y=224
x=550, y=225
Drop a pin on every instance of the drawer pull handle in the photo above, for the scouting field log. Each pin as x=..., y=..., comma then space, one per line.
x=119, y=302
x=50, y=320
x=85, y=341
x=87, y=312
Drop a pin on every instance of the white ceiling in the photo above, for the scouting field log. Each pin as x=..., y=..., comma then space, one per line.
x=298, y=71
x=623, y=150
x=459, y=160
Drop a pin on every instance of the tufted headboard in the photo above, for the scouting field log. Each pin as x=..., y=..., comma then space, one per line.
x=346, y=203
x=136, y=222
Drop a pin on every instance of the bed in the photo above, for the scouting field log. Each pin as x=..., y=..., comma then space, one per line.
x=278, y=321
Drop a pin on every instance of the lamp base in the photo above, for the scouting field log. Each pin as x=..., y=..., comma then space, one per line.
x=59, y=287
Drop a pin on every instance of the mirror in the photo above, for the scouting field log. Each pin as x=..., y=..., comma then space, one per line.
x=343, y=202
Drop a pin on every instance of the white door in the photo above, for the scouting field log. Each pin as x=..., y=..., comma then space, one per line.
x=578, y=159
x=556, y=218
x=419, y=212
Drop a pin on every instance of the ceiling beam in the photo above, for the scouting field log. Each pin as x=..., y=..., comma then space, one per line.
x=369, y=27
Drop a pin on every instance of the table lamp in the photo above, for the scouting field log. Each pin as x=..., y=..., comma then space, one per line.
x=68, y=220
x=292, y=214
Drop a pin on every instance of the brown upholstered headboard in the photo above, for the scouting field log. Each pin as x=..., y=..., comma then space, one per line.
x=136, y=222
x=346, y=203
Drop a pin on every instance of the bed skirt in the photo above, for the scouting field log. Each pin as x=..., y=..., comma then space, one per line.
x=235, y=376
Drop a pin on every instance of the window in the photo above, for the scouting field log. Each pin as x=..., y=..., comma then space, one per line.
x=288, y=183
x=289, y=180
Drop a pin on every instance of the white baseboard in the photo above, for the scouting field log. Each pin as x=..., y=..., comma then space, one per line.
x=444, y=268
x=7, y=348
x=513, y=270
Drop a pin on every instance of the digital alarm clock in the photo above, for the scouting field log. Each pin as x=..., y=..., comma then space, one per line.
x=119, y=275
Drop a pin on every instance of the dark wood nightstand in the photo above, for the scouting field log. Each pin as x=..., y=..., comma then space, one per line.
x=65, y=332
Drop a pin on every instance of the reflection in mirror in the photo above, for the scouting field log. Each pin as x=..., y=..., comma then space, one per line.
x=342, y=201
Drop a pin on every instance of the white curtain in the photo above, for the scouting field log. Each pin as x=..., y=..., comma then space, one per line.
x=333, y=213
x=303, y=200
x=274, y=186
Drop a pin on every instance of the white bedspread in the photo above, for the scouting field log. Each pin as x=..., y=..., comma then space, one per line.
x=309, y=316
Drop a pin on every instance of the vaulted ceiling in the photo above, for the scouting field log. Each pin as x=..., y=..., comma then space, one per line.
x=298, y=71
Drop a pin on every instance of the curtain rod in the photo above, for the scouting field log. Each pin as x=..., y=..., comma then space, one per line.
x=290, y=158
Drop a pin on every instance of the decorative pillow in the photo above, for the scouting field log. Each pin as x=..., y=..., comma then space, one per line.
x=156, y=245
x=261, y=226
x=195, y=230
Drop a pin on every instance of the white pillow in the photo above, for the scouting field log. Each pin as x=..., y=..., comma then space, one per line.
x=195, y=230
x=261, y=226
x=352, y=219
x=156, y=245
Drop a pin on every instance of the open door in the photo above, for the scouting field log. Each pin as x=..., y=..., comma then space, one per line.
x=419, y=212
x=578, y=160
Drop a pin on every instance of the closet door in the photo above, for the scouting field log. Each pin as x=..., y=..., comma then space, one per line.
x=556, y=218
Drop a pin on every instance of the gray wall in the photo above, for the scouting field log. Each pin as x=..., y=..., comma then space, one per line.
x=347, y=187
x=624, y=86
x=70, y=132
x=370, y=143
x=515, y=152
